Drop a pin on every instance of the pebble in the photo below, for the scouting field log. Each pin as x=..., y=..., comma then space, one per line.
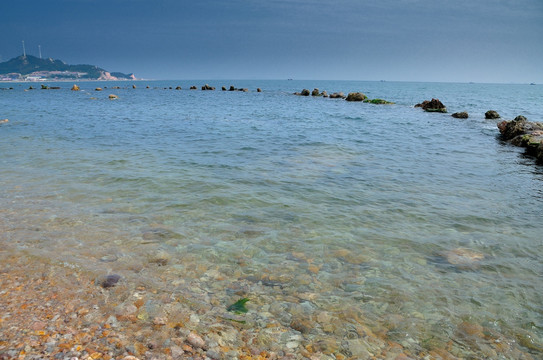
x=195, y=340
x=110, y=281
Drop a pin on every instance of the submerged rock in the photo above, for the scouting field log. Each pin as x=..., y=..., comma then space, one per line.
x=98, y=89
x=464, y=258
x=109, y=281
x=356, y=96
x=460, y=115
x=492, y=114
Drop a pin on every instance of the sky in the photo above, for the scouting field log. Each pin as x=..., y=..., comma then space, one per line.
x=495, y=41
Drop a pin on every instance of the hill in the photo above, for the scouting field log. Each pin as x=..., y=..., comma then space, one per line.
x=28, y=67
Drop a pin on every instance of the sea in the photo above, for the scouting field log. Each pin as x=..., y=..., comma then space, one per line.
x=335, y=219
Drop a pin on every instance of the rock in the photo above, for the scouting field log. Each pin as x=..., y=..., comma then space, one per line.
x=75, y=88
x=109, y=281
x=258, y=90
x=315, y=92
x=378, y=102
x=178, y=88
x=433, y=105
x=195, y=340
x=44, y=87
x=193, y=87
x=176, y=352
x=514, y=128
x=491, y=114
x=464, y=258
x=147, y=87
x=4, y=121
x=98, y=89
x=244, y=90
x=223, y=88
x=338, y=95
x=159, y=321
x=460, y=115
x=133, y=86
x=305, y=92
x=31, y=87
x=207, y=87
x=113, y=97
x=324, y=94
x=232, y=88
x=213, y=354
x=523, y=133
x=356, y=96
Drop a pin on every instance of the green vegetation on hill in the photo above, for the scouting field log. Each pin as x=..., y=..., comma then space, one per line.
x=29, y=64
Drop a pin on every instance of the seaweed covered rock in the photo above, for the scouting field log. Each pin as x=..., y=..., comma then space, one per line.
x=523, y=133
x=356, y=96
x=433, y=105
x=492, y=114
x=378, y=102
x=460, y=115
x=315, y=92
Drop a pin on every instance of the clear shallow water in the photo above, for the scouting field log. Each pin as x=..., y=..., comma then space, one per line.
x=306, y=205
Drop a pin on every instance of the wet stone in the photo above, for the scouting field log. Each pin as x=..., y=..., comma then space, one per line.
x=110, y=281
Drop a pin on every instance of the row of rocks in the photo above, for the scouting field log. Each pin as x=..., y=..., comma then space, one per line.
x=206, y=87
x=353, y=96
x=524, y=133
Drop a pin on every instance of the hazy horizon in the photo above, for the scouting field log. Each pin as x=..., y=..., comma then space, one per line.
x=410, y=40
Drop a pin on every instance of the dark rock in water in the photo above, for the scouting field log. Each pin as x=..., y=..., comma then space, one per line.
x=193, y=87
x=258, y=90
x=224, y=88
x=460, y=115
x=305, y=92
x=244, y=90
x=232, y=88
x=133, y=86
x=110, y=281
x=207, y=87
x=31, y=88
x=315, y=92
x=54, y=87
x=491, y=114
x=44, y=87
x=324, y=94
x=338, y=95
x=147, y=87
x=523, y=133
x=433, y=105
x=356, y=96
x=178, y=88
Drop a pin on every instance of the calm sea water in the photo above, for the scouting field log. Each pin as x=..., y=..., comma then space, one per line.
x=343, y=205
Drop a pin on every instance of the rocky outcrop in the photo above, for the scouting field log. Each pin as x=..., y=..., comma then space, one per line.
x=98, y=89
x=316, y=92
x=75, y=88
x=207, y=87
x=491, y=114
x=223, y=88
x=523, y=133
x=113, y=97
x=178, y=88
x=356, y=96
x=193, y=87
x=460, y=115
x=258, y=90
x=232, y=88
x=433, y=105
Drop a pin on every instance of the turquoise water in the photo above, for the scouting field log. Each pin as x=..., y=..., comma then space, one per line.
x=308, y=205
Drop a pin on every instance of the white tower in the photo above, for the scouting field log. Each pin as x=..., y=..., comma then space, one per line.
x=24, y=51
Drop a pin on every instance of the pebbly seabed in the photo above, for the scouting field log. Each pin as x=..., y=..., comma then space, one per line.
x=130, y=227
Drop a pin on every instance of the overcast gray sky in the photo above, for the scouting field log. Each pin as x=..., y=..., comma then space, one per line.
x=406, y=40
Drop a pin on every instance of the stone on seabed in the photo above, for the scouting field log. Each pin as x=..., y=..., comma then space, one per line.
x=195, y=340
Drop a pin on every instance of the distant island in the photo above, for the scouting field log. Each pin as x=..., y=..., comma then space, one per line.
x=31, y=68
